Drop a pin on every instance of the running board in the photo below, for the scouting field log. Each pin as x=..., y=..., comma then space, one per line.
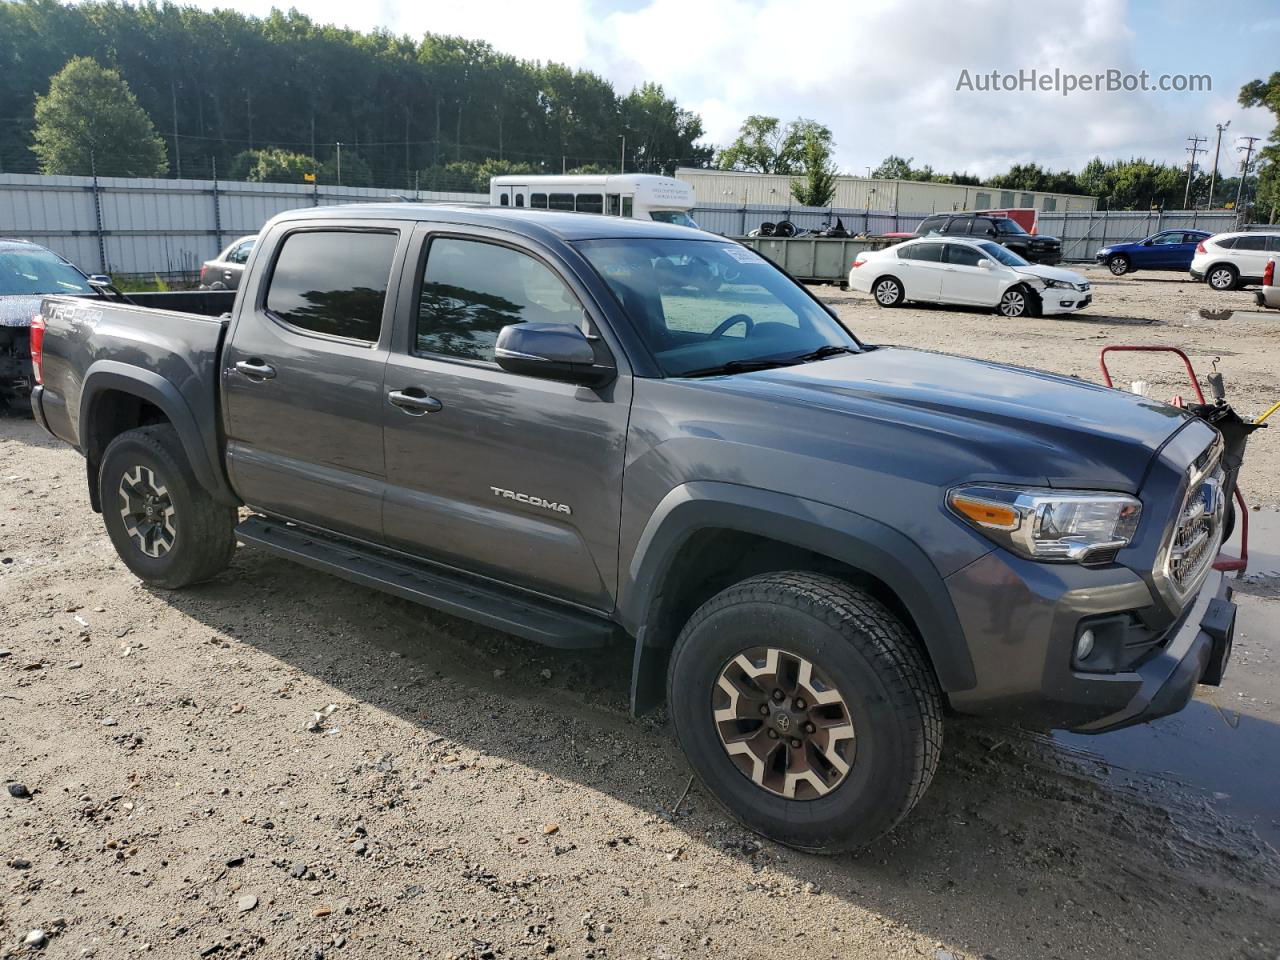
x=543, y=622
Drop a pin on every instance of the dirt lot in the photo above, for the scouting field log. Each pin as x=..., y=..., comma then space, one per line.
x=470, y=795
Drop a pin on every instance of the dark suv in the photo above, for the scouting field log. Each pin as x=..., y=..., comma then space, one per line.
x=1003, y=230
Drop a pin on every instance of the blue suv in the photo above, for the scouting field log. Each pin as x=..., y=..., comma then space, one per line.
x=1167, y=250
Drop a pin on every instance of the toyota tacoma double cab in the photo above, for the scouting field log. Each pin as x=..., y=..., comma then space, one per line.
x=552, y=425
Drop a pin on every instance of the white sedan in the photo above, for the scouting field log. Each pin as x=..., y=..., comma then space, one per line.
x=977, y=273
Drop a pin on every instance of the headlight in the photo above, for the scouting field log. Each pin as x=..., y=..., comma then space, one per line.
x=1045, y=524
x=1059, y=285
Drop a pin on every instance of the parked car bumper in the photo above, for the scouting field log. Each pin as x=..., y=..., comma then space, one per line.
x=1023, y=646
x=1196, y=274
x=1268, y=297
x=1063, y=301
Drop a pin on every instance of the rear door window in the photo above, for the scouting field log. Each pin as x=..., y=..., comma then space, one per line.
x=333, y=282
x=1251, y=243
x=959, y=225
x=929, y=252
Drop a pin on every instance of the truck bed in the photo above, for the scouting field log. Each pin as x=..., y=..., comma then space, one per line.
x=168, y=357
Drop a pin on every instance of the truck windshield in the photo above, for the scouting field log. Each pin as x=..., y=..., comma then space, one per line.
x=678, y=217
x=35, y=272
x=1002, y=254
x=711, y=307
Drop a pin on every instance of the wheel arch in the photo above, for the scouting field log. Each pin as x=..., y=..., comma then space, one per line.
x=706, y=535
x=117, y=397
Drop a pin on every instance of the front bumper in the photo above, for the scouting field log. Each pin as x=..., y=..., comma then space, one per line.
x=1021, y=621
x=1063, y=301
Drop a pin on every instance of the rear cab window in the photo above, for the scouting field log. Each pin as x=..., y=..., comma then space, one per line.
x=332, y=282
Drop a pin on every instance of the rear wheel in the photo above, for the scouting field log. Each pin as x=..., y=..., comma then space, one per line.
x=1223, y=277
x=888, y=292
x=166, y=527
x=806, y=708
x=1119, y=265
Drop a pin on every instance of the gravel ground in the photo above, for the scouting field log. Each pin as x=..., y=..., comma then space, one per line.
x=279, y=764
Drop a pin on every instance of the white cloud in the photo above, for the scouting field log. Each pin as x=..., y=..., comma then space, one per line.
x=881, y=74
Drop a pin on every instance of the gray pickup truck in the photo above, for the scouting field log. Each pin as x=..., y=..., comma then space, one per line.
x=585, y=430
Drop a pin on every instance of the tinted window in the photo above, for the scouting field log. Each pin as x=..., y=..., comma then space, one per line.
x=614, y=204
x=1226, y=243
x=503, y=200
x=538, y=200
x=590, y=203
x=472, y=289
x=519, y=199
x=333, y=282
x=931, y=252
x=241, y=253
x=1273, y=243
x=626, y=206
x=1193, y=237
x=1009, y=226
x=931, y=225
x=561, y=201
x=1251, y=243
x=963, y=256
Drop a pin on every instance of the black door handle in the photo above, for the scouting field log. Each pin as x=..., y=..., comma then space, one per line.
x=414, y=401
x=255, y=369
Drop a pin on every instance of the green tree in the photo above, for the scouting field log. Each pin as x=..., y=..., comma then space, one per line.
x=818, y=186
x=90, y=121
x=767, y=145
x=1266, y=93
x=894, y=167
x=272, y=165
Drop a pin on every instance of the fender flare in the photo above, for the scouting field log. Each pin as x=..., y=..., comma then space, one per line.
x=104, y=375
x=850, y=538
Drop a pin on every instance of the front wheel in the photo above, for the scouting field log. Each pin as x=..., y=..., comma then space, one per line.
x=166, y=527
x=1016, y=302
x=806, y=708
x=1119, y=265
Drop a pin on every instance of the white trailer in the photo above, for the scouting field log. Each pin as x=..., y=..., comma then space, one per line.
x=636, y=195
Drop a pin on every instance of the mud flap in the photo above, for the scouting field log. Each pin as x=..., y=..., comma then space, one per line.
x=1220, y=624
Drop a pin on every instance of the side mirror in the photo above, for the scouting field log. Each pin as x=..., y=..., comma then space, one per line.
x=986, y=264
x=99, y=280
x=551, y=351
x=1148, y=243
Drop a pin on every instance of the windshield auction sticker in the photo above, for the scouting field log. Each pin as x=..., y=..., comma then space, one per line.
x=743, y=254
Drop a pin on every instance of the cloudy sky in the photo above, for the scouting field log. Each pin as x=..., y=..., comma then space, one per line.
x=883, y=74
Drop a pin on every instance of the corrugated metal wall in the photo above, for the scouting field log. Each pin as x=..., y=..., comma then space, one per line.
x=713, y=187
x=166, y=227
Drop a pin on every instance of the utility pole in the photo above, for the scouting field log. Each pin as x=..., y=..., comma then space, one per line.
x=1191, y=166
x=622, y=167
x=1213, y=177
x=339, y=145
x=1244, y=169
x=177, y=148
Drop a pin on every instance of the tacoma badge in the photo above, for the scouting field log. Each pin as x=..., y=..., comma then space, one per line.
x=533, y=501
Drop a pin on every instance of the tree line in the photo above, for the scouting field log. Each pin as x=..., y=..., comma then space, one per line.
x=221, y=87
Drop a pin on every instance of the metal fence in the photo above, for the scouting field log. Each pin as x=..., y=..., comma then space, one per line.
x=168, y=228
x=1082, y=232
x=165, y=228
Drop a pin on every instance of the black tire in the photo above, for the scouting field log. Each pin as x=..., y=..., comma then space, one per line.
x=888, y=291
x=1119, y=265
x=874, y=664
x=1222, y=277
x=1018, y=302
x=200, y=532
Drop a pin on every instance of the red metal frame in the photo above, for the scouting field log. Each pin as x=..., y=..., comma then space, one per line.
x=1225, y=562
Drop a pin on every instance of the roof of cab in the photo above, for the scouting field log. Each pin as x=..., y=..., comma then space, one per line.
x=535, y=224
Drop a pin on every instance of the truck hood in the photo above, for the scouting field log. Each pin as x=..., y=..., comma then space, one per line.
x=1006, y=422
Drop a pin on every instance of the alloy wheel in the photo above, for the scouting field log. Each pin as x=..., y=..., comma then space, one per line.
x=783, y=724
x=1119, y=266
x=887, y=293
x=1013, y=303
x=147, y=510
x=1221, y=279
